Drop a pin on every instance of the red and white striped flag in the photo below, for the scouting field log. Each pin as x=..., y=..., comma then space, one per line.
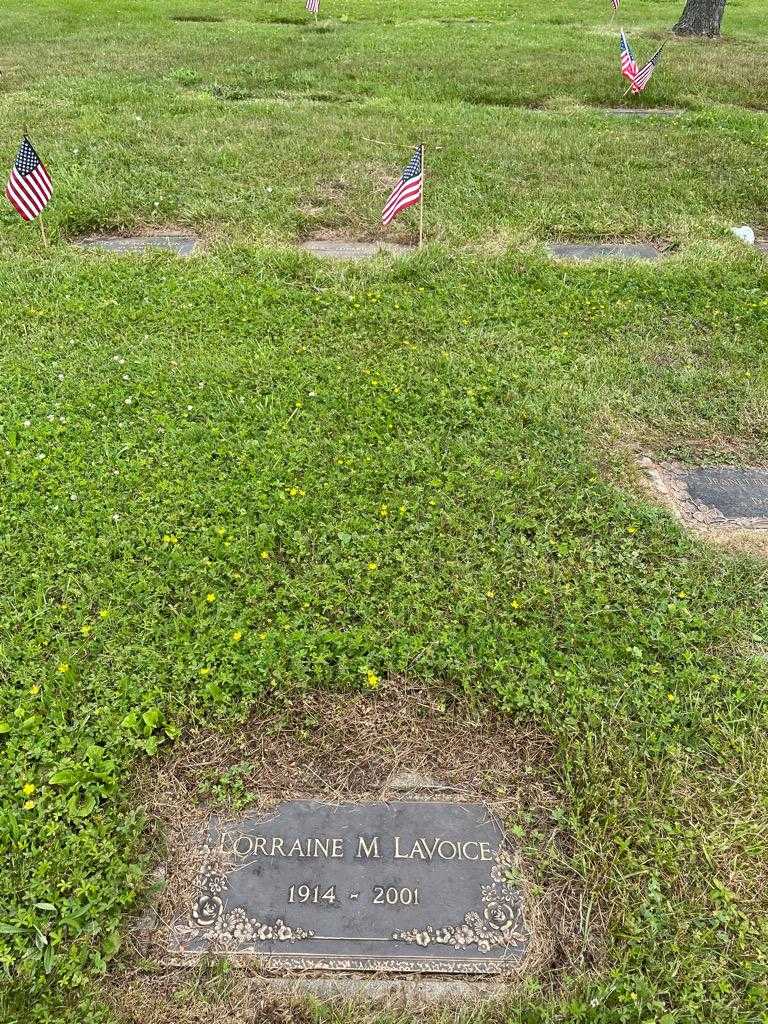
x=643, y=76
x=29, y=187
x=628, y=62
x=313, y=6
x=408, y=190
x=615, y=4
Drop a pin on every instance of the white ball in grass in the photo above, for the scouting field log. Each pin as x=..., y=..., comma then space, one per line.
x=745, y=233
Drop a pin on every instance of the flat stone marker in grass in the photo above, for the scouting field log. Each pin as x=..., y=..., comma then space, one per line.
x=643, y=111
x=351, y=251
x=584, y=252
x=182, y=245
x=724, y=504
x=414, y=887
x=735, y=495
x=202, y=19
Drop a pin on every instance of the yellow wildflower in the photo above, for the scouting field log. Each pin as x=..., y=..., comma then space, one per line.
x=28, y=788
x=28, y=805
x=63, y=667
x=210, y=598
x=237, y=636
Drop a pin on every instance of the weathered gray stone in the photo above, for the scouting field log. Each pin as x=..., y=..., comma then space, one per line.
x=584, y=252
x=721, y=502
x=349, y=251
x=643, y=111
x=404, y=887
x=734, y=493
x=182, y=245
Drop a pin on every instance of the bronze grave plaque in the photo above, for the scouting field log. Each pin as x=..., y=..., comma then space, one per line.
x=402, y=886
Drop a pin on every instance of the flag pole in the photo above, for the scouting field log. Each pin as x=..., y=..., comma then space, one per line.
x=421, y=201
x=42, y=230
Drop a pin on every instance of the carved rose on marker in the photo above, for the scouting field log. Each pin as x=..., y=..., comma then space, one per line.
x=501, y=922
x=498, y=915
x=207, y=911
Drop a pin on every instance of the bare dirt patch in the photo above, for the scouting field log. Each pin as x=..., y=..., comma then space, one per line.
x=339, y=748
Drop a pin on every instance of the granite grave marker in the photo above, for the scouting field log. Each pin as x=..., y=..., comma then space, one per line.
x=643, y=112
x=352, y=251
x=182, y=245
x=397, y=887
x=602, y=250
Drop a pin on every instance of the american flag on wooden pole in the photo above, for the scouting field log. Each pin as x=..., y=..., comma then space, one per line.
x=407, y=192
x=628, y=62
x=643, y=76
x=29, y=186
x=313, y=6
x=615, y=5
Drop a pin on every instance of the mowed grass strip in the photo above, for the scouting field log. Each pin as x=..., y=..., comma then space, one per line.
x=145, y=120
x=246, y=474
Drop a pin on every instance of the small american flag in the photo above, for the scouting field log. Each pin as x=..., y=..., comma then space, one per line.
x=408, y=190
x=29, y=187
x=643, y=76
x=628, y=62
x=313, y=6
x=615, y=4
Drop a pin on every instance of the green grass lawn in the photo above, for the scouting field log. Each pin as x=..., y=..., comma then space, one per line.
x=231, y=478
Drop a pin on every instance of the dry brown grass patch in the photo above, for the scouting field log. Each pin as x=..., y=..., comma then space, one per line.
x=339, y=748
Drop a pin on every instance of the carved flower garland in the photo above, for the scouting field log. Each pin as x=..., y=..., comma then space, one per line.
x=210, y=922
x=501, y=923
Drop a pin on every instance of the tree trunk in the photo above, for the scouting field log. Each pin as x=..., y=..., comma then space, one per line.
x=701, y=18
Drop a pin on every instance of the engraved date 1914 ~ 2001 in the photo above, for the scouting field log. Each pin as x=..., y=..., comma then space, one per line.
x=390, y=895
